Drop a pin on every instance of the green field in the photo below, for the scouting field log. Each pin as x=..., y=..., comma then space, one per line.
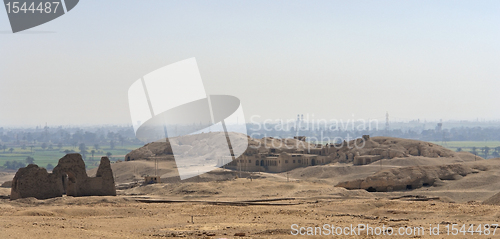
x=44, y=157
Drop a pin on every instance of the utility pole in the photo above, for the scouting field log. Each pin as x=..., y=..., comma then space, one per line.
x=388, y=156
x=387, y=122
x=156, y=166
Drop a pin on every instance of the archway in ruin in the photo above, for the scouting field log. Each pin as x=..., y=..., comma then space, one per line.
x=64, y=179
x=70, y=183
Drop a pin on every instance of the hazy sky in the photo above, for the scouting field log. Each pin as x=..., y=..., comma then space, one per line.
x=334, y=59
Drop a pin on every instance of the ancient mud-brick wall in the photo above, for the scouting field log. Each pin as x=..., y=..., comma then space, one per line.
x=33, y=181
x=68, y=177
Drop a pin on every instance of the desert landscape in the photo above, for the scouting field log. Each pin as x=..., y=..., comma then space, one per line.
x=249, y=119
x=416, y=193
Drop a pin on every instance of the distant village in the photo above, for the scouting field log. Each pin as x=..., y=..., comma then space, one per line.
x=19, y=146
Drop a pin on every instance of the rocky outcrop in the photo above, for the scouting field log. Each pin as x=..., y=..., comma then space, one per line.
x=493, y=200
x=163, y=150
x=397, y=179
x=367, y=150
x=68, y=177
x=7, y=184
x=365, y=159
x=148, y=151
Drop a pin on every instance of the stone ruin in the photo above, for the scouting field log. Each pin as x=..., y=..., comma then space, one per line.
x=279, y=155
x=377, y=148
x=68, y=177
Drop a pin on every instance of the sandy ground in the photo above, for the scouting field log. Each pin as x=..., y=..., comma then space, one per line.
x=222, y=209
x=305, y=204
x=220, y=204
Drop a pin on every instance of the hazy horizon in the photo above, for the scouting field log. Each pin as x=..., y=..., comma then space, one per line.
x=381, y=123
x=342, y=60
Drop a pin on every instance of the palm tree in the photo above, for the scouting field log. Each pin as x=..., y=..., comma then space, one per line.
x=497, y=149
x=83, y=150
x=30, y=160
x=96, y=146
x=49, y=166
x=7, y=165
x=121, y=139
x=486, y=151
x=4, y=147
x=495, y=154
x=474, y=150
x=11, y=150
x=92, y=152
x=82, y=147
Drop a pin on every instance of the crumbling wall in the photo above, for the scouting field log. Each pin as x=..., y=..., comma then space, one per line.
x=33, y=181
x=71, y=170
x=68, y=177
x=106, y=185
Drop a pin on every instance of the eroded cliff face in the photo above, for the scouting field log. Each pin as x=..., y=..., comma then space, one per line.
x=68, y=177
x=397, y=179
x=368, y=150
